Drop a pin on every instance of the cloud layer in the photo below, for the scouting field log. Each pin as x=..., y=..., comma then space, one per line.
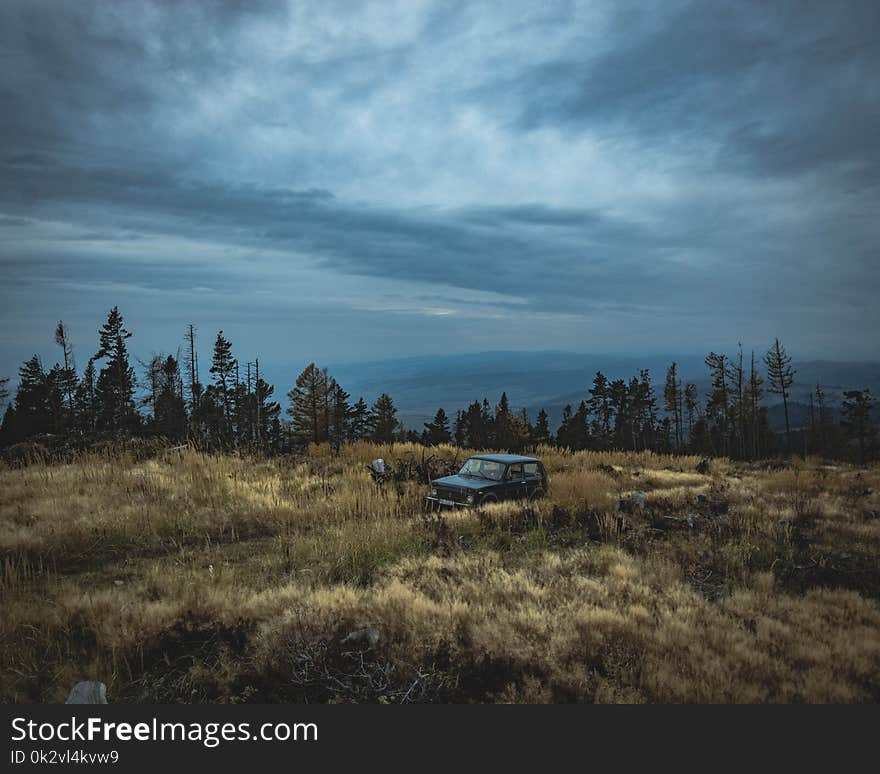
x=340, y=180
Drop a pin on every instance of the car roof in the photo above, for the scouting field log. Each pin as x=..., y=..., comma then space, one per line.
x=505, y=459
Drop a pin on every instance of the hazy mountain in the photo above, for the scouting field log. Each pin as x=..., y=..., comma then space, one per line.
x=552, y=379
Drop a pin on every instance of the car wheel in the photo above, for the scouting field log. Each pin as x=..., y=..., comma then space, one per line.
x=490, y=498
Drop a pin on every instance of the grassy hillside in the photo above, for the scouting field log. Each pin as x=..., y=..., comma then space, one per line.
x=197, y=578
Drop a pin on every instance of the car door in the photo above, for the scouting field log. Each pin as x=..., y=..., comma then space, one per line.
x=516, y=487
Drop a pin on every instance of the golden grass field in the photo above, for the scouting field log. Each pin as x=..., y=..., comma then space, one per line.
x=198, y=578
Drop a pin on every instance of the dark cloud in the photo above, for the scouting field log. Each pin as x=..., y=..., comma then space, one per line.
x=681, y=171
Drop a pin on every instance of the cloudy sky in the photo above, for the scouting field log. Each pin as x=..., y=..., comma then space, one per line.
x=348, y=181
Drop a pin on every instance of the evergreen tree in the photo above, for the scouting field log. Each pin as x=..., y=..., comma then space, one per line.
x=753, y=395
x=458, y=429
x=32, y=408
x=857, y=408
x=384, y=422
x=718, y=402
x=691, y=408
x=780, y=376
x=502, y=426
x=66, y=380
x=437, y=430
x=541, y=430
x=114, y=390
x=599, y=406
x=266, y=413
x=86, y=403
x=341, y=414
x=169, y=408
x=307, y=405
x=55, y=387
x=565, y=433
x=521, y=430
x=224, y=367
x=360, y=420
x=673, y=398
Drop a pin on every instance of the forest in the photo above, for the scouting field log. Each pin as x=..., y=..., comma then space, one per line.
x=60, y=409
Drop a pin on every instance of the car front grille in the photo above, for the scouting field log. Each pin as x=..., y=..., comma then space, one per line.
x=448, y=493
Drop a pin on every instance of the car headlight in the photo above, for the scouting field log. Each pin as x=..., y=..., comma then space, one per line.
x=433, y=492
x=470, y=499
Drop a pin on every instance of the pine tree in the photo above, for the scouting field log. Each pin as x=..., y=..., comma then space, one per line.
x=599, y=406
x=437, y=430
x=66, y=379
x=502, y=426
x=268, y=422
x=340, y=415
x=857, y=408
x=32, y=409
x=780, y=376
x=307, y=405
x=541, y=430
x=672, y=402
x=360, y=420
x=691, y=407
x=459, y=434
x=718, y=401
x=86, y=403
x=521, y=430
x=565, y=433
x=224, y=367
x=169, y=407
x=384, y=422
x=753, y=395
x=114, y=390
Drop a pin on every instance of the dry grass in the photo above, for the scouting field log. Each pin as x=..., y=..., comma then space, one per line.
x=199, y=578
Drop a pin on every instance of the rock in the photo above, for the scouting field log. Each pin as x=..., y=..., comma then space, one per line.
x=363, y=639
x=118, y=583
x=88, y=692
x=692, y=520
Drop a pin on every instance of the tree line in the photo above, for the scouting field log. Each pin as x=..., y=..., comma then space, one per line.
x=235, y=409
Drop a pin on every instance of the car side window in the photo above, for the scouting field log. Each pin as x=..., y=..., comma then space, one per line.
x=531, y=470
x=515, y=472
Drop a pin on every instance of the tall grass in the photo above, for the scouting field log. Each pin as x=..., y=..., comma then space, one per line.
x=192, y=577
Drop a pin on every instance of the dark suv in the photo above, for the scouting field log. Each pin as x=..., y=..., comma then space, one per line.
x=487, y=478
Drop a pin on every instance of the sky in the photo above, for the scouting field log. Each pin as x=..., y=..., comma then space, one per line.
x=338, y=181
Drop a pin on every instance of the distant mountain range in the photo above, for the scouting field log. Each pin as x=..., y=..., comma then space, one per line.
x=550, y=380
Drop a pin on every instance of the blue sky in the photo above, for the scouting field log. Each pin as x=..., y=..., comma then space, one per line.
x=345, y=181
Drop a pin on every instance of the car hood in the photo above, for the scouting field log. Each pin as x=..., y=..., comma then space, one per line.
x=464, y=482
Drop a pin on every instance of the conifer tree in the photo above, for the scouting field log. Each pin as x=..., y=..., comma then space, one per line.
x=360, y=420
x=66, y=379
x=340, y=414
x=32, y=409
x=437, y=430
x=114, y=390
x=718, y=401
x=780, y=376
x=600, y=409
x=857, y=408
x=672, y=402
x=224, y=367
x=541, y=430
x=307, y=405
x=384, y=422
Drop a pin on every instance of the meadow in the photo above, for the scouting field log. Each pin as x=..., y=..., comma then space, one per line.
x=187, y=577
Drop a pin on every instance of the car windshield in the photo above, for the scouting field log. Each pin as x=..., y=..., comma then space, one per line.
x=493, y=471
